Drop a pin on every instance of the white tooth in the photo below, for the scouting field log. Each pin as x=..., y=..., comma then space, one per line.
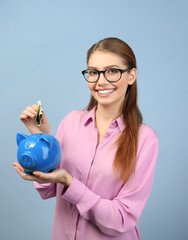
x=105, y=91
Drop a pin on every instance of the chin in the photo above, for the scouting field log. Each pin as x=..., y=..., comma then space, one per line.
x=105, y=103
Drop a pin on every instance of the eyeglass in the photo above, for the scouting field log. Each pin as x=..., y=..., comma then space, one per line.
x=110, y=74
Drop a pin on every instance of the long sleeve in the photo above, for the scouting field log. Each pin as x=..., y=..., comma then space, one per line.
x=46, y=190
x=121, y=213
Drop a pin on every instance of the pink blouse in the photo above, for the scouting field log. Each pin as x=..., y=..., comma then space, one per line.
x=97, y=205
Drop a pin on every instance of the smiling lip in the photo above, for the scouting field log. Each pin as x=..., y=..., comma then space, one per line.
x=105, y=92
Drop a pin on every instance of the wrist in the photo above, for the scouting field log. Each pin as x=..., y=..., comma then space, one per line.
x=66, y=180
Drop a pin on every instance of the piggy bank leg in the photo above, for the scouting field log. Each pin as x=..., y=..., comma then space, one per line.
x=27, y=173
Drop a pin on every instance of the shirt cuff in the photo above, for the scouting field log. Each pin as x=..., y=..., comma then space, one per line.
x=41, y=185
x=74, y=192
x=79, y=195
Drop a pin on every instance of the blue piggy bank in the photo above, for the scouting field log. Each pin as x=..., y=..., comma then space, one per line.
x=38, y=152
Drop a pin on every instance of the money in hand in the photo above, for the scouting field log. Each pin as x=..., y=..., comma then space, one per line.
x=39, y=114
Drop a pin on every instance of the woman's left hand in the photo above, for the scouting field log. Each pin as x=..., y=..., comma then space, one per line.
x=57, y=176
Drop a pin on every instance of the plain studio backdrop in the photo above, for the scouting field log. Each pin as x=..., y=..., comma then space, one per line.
x=43, y=47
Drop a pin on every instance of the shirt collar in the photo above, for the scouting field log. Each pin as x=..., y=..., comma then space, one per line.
x=90, y=117
x=120, y=123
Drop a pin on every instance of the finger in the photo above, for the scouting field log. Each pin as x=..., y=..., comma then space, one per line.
x=38, y=174
x=35, y=106
x=30, y=109
x=27, y=177
x=19, y=169
x=44, y=118
x=17, y=165
x=30, y=177
x=45, y=176
x=23, y=117
x=29, y=112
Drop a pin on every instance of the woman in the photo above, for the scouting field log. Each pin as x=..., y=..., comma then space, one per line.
x=105, y=176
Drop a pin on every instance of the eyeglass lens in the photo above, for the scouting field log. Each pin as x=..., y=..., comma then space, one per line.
x=111, y=74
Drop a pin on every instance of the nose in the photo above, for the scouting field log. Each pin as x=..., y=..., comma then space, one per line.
x=27, y=160
x=102, y=79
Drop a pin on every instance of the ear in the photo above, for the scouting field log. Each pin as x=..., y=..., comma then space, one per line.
x=132, y=76
x=20, y=137
x=47, y=140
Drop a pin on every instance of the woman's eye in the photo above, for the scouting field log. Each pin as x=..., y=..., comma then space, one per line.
x=112, y=70
x=92, y=72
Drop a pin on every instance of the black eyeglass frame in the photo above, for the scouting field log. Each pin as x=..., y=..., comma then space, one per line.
x=99, y=72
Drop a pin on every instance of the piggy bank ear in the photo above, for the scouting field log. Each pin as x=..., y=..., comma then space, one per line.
x=20, y=137
x=47, y=140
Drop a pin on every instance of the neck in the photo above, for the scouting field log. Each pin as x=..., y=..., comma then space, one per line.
x=107, y=113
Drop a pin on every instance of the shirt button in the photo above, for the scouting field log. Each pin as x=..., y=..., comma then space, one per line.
x=113, y=124
x=108, y=135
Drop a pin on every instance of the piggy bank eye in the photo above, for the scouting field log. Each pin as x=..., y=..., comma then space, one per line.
x=29, y=145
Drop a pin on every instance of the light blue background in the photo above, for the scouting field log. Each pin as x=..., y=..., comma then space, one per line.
x=43, y=47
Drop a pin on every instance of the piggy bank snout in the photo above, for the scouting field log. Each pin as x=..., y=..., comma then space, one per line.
x=27, y=160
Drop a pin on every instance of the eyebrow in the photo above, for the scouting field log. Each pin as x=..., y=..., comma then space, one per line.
x=110, y=66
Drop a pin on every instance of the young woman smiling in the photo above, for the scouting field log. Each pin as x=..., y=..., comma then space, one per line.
x=105, y=176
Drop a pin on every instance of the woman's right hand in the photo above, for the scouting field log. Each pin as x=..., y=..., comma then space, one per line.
x=28, y=117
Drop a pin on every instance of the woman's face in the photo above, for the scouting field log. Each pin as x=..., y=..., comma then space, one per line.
x=107, y=93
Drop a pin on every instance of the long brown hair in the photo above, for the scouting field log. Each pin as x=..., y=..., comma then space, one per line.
x=125, y=158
